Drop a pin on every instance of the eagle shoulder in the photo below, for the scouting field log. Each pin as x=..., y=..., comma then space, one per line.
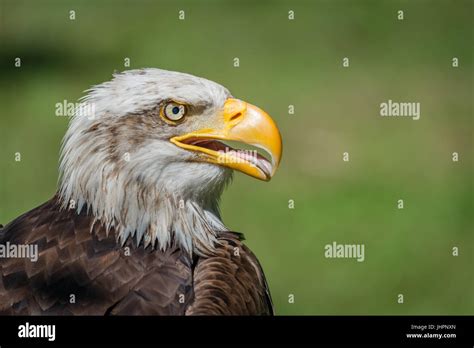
x=80, y=271
x=231, y=282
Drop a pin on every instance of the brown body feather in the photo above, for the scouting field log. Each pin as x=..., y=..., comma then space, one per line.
x=104, y=279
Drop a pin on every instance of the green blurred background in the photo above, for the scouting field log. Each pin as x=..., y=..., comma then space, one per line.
x=285, y=62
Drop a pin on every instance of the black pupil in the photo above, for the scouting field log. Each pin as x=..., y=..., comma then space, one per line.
x=176, y=110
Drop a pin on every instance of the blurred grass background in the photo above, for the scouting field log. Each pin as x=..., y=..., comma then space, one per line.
x=286, y=62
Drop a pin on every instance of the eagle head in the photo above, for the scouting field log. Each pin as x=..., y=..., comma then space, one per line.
x=145, y=154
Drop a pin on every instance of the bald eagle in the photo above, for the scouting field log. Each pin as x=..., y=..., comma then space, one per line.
x=135, y=228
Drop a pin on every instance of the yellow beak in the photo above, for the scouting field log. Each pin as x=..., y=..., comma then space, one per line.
x=241, y=122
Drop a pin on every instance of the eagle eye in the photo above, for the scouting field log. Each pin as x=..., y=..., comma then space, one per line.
x=174, y=111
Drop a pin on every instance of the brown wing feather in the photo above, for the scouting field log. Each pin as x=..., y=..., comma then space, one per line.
x=105, y=280
x=231, y=282
x=90, y=266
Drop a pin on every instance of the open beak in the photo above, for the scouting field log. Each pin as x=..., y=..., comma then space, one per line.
x=240, y=122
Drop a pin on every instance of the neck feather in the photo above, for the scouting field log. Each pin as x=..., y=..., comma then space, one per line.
x=159, y=205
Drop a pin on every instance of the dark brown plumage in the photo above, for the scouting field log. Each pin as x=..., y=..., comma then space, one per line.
x=73, y=260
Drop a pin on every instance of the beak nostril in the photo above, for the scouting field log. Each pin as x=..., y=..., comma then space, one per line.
x=236, y=116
